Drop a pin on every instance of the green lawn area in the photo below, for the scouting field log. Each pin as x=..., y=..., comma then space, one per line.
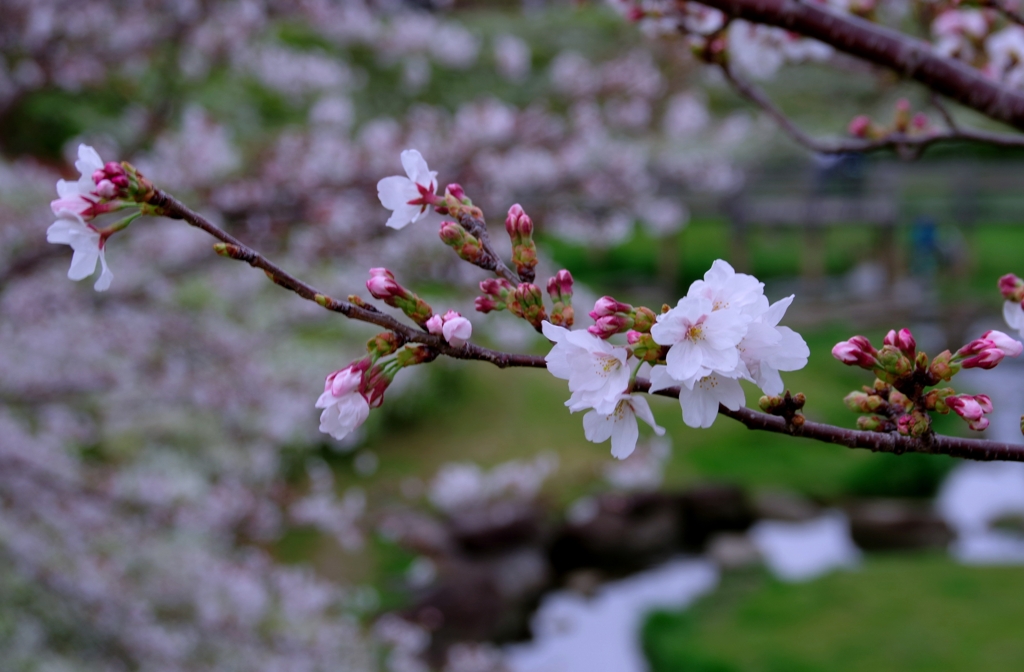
x=905, y=613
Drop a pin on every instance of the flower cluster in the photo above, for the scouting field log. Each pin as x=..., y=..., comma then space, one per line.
x=905, y=390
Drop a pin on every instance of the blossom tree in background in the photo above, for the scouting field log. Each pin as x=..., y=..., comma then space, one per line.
x=163, y=548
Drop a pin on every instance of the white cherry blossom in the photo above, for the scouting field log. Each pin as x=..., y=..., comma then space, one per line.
x=701, y=339
x=79, y=197
x=345, y=408
x=726, y=288
x=768, y=348
x=620, y=424
x=700, y=398
x=71, y=229
x=596, y=370
x=405, y=195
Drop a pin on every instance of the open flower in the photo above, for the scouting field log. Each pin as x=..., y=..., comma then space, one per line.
x=700, y=396
x=79, y=197
x=87, y=243
x=768, y=349
x=596, y=370
x=344, y=408
x=726, y=288
x=408, y=197
x=701, y=339
x=620, y=424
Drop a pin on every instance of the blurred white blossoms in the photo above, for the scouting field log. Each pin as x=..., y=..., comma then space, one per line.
x=345, y=408
x=408, y=197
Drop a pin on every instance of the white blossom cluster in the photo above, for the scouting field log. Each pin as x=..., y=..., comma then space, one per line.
x=723, y=331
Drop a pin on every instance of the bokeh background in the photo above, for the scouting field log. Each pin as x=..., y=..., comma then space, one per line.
x=166, y=502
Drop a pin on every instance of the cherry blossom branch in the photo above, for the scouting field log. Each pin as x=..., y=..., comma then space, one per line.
x=887, y=442
x=907, y=144
x=478, y=228
x=908, y=56
x=168, y=206
x=879, y=442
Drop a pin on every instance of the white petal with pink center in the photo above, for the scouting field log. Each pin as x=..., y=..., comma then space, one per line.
x=726, y=288
x=700, y=337
x=620, y=424
x=71, y=229
x=345, y=408
x=700, y=399
x=396, y=192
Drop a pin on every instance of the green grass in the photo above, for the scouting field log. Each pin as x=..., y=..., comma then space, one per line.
x=906, y=613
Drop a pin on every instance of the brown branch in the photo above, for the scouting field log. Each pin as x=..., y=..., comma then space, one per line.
x=908, y=56
x=972, y=449
x=909, y=145
x=175, y=209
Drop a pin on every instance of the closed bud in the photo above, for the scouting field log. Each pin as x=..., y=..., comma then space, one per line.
x=893, y=362
x=856, y=352
x=524, y=252
x=915, y=424
x=383, y=344
x=875, y=423
x=643, y=346
x=859, y=126
x=1011, y=287
x=383, y=286
x=527, y=302
x=609, y=325
x=943, y=367
x=861, y=402
x=643, y=319
x=375, y=382
x=560, y=291
x=606, y=306
x=412, y=355
x=457, y=192
x=496, y=294
x=465, y=244
x=904, y=341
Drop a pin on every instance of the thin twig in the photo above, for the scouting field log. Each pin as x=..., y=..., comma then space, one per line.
x=972, y=449
x=911, y=145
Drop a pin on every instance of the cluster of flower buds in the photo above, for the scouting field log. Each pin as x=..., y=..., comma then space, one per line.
x=382, y=285
x=452, y=326
x=560, y=291
x=900, y=400
x=383, y=344
x=497, y=293
x=524, y=251
x=466, y=245
x=456, y=204
x=788, y=406
x=527, y=302
x=904, y=123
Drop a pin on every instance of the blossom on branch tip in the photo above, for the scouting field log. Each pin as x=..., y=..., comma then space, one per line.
x=620, y=424
x=986, y=352
x=560, y=290
x=1012, y=288
x=408, y=197
x=857, y=351
x=972, y=409
x=87, y=243
x=700, y=338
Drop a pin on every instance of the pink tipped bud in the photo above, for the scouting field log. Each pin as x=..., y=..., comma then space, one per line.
x=382, y=284
x=1009, y=346
x=374, y=384
x=903, y=340
x=985, y=402
x=560, y=286
x=496, y=287
x=485, y=304
x=986, y=359
x=518, y=224
x=609, y=325
x=434, y=324
x=979, y=425
x=966, y=406
x=606, y=306
x=919, y=121
x=1011, y=287
x=856, y=352
x=634, y=337
x=347, y=380
x=635, y=14
x=859, y=126
x=456, y=191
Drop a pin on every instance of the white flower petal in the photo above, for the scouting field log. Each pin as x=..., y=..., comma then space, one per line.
x=625, y=432
x=106, y=276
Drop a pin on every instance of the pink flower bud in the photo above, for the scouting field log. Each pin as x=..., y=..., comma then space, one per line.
x=856, y=352
x=633, y=337
x=903, y=340
x=609, y=325
x=457, y=329
x=518, y=224
x=485, y=304
x=496, y=287
x=375, y=383
x=1011, y=287
x=859, y=126
x=986, y=359
x=919, y=121
x=382, y=284
x=966, y=406
x=984, y=401
x=347, y=380
x=978, y=425
x=434, y=324
x=606, y=306
x=1010, y=346
x=560, y=286
x=457, y=191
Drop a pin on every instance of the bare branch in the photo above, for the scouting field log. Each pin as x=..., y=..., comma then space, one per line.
x=908, y=56
x=911, y=145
